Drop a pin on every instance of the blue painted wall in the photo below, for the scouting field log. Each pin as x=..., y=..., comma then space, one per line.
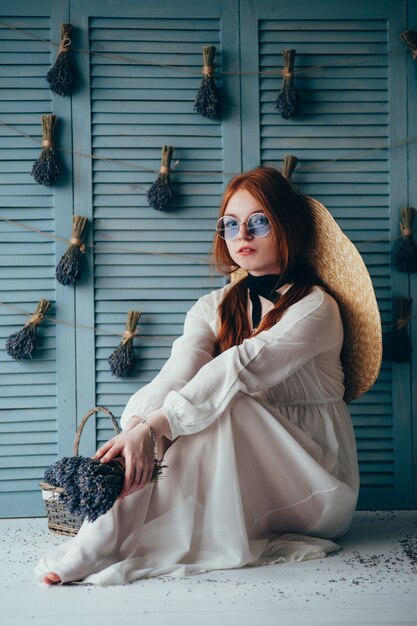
x=361, y=98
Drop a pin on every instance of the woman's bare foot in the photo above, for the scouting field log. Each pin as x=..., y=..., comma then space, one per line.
x=51, y=578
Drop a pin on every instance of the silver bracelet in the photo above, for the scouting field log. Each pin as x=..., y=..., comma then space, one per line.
x=151, y=430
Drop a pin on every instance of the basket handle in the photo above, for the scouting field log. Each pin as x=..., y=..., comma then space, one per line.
x=95, y=409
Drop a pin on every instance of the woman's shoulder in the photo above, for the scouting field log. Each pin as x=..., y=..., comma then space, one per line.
x=318, y=301
x=320, y=294
x=326, y=299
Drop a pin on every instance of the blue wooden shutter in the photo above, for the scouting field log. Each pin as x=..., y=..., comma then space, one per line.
x=354, y=103
x=126, y=111
x=36, y=410
x=136, y=107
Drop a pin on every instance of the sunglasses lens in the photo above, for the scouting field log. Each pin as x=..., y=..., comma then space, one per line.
x=228, y=227
x=259, y=225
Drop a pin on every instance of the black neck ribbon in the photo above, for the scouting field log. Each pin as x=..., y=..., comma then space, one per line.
x=264, y=286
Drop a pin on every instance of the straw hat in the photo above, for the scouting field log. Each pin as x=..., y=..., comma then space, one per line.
x=339, y=265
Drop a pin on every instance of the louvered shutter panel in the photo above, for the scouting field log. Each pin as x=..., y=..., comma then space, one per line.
x=136, y=107
x=347, y=110
x=29, y=399
x=125, y=111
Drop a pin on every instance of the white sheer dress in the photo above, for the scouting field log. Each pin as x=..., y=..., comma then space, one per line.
x=265, y=469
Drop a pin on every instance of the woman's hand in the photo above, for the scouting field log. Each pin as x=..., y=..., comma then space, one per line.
x=135, y=446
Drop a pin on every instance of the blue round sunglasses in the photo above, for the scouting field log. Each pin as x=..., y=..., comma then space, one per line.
x=258, y=226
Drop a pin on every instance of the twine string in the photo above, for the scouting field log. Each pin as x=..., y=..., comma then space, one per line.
x=287, y=73
x=98, y=248
x=128, y=334
x=118, y=162
x=191, y=70
x=98, y=331
x=207, y=70
x=64, y=45
x=164, y=169
x=36, y=318
x=47, y=143
x=77, y=242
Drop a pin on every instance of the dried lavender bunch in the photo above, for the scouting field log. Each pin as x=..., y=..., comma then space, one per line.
x=208, y=101
x=289, y=165
x=62, y=471
x=47, y=170
x=406, y=258
x=123, y=359
x=68, y=269
x=287, y=101
x=160, y=196
x=21, y=345
x=398, y=348
x=90, y=487
x=61, y=77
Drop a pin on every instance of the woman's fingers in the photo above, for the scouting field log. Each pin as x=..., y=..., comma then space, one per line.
x=136, y=481
x=101, y=451
x=112, y=452
x=134, y=446
x=130, y=474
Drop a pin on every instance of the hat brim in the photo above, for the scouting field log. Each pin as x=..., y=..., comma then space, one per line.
x=340, y=266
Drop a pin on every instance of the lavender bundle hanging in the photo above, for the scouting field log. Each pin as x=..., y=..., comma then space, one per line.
x=398, y=348
x=21, y=345
x=409, y=37
x=61, y=77
x=68, y=269
x=47, y=170
x=288, y=101
x=90, y=488
x=208, y=101
x=123, y=359
x=406, y=258
x=288, y=166
x=160, y=196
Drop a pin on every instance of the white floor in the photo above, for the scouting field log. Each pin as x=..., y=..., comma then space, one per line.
x=372, y=580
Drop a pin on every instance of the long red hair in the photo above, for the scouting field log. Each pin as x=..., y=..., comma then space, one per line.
x=289, y=215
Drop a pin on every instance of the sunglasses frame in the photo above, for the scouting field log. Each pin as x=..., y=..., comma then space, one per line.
x=240, y=224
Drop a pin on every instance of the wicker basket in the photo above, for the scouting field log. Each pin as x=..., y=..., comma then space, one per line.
x=61, y=521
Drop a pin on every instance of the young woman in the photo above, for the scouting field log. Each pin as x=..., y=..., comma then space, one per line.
x=249, y=412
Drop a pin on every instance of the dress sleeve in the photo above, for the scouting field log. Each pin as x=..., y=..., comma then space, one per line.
x=309, y=327
x=189, y=353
